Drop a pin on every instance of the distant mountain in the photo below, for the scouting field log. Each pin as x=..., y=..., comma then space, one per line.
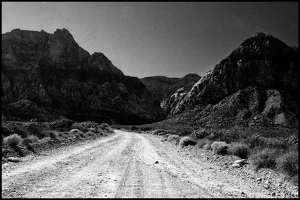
x=165, y=89
x=257, y=84
x=47, y=75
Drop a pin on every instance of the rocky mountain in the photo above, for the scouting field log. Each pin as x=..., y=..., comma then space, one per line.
x=256, y=84
x=47, y=75
x=166, y=90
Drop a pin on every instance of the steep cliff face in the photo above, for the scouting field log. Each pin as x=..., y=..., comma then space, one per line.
x=262, y=62
x=165, y=89
x=52, y=72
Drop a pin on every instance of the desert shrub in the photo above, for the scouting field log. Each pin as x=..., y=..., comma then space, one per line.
x=79, y=126
x=21, y=132
x=53, y=135
x=215, y=145
x=81, y=134
x=239, y=149
x=207, y=146
x=172, y=137
x=156, y=131
x=63, y=125
x=146, y=128
x=34, y=129
x=104, y=126
x=26, y=141
x=212, y=136
x=133, y=128
x=256, y=141
x=288, y=163
x=222, y=150
x=12, y=140
x=200, y=133
x=186, y=140
x=201, y=143
x=91, y=129
x=265, y=158
x=74, y=131
x=161, y=133
x=90, y=133
x=33, y=138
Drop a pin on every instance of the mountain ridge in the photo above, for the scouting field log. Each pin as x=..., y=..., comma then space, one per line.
x=55, y=73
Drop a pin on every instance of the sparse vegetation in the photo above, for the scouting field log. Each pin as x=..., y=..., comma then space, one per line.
x=53, y=135
x=265, y=158
x=12, y=140
x=288, y=163
x=156, y=131
x=239, y=149
x=219, y=147
x=185, y=141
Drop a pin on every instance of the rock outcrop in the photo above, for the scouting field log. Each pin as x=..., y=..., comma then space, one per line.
x=51, y=75
x=258, y=80
x=168, y=91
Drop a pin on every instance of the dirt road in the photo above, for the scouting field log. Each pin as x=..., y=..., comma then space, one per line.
x=124, y=164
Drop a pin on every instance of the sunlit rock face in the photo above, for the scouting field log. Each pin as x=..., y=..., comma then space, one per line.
x=165, y=90
x=55, y=74
x=263, y=62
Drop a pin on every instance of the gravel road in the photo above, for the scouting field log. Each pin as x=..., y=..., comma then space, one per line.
x=124, y=164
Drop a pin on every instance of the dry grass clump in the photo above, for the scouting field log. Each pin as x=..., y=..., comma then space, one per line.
x=288, y=163
x=219, y=147
x=62, y=125
x=53, y=135
x=200, y=133
x=239, y=149
x=264, y=158
x=105, y=127
x=185, y=141
x=208, y=144
x=12, y=140
x=201, y=143
x=171, y=138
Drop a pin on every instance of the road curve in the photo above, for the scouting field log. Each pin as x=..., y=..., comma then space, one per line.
x=124, y=164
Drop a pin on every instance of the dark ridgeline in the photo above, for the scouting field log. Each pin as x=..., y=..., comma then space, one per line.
x=168, y=91
x=257, y=84
x=47, y=75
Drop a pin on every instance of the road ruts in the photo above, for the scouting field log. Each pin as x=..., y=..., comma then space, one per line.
x=123, y=165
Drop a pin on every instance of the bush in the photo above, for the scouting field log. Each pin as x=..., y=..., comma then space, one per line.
x=172, y=138
x=207, y=146
x=199, y=134
x=222, y=150
x=265, y=158
x=218, y=144
x=186, y=140
x=201, y=143
x=133, y=128
x=79, y=126
x=146, y=128
x=156, y=131
x=239, y=149
x=20, y=132
x=12, y=140
x=288, y=163
x=63, y=125
x=53, y=135
x=33, y=138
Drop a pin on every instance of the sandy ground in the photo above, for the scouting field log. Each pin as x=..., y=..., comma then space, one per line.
x=124, y=164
